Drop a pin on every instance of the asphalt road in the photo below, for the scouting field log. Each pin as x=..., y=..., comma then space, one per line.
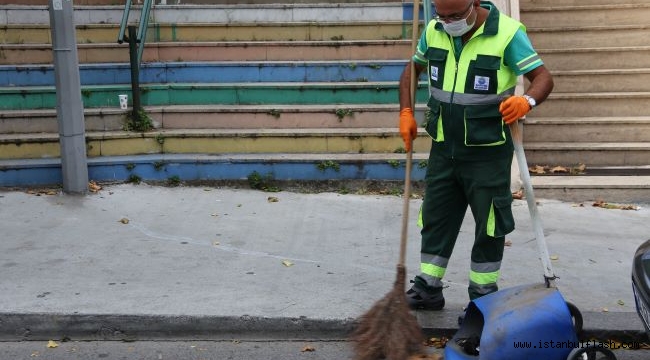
x=203, y=350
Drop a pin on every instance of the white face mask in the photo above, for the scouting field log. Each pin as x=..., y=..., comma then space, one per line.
x=459, y=27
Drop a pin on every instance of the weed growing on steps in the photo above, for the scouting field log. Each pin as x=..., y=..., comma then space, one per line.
x=262, y=182
x=173, y=181
x=275, y=113
x=158, y=165
x=138, y=122
x=134, y=179
x=394, y=163
x=328, y=164
x=341, y=113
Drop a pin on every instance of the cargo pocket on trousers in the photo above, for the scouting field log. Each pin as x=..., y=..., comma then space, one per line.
x=500, y=221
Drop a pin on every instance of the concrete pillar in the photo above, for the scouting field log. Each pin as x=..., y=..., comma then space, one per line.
x=69, y=107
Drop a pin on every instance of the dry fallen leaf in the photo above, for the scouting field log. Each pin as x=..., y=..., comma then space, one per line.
x=35, y=354
x=93, y=187
x=537, y=169
x=272, y=199
x=124, y=220
x=508, y=243
x=604, y=205
x=559, y=169
x=554, y=257
x=287, y=263
x=52, y=344
x=216, y=243
x=621, y=302
x=605, y=309
x=308, y=349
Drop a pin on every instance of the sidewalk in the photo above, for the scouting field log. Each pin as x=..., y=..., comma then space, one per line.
x=138, y=261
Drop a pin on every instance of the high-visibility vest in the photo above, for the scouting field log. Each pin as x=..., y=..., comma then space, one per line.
x=463, y=118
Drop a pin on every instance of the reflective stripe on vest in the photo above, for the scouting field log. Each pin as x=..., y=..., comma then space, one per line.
x=485, y=46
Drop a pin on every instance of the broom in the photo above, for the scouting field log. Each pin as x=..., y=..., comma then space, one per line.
x=389, y=329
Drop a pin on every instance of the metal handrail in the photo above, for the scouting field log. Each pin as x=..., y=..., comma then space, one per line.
x=142, y=28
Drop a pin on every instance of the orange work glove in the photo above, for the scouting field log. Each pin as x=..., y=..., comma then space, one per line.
x=407, y=127
x=514, y=108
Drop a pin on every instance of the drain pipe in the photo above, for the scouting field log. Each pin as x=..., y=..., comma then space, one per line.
x=69, y=109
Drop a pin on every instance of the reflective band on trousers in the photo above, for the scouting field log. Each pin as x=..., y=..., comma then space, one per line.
x=432, y=270
x=484, y=278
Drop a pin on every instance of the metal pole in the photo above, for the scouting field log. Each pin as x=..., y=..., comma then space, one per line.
x=135, y=72
x=69, y=108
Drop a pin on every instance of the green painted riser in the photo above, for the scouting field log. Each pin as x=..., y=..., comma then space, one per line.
x=191, y=94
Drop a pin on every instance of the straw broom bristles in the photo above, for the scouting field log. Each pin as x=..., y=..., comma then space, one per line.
x=389, y=329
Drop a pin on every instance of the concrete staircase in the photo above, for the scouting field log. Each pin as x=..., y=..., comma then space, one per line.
x=597, y=115
x=307, y=91
x=316, y=85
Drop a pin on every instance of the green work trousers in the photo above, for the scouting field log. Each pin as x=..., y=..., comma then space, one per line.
x=452, y=186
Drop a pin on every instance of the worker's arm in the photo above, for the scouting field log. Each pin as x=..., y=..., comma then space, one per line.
x=407, y=126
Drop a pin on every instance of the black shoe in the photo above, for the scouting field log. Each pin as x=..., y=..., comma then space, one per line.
x=423, y=298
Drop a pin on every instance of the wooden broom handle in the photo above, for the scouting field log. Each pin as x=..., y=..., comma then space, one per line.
x=409, y=154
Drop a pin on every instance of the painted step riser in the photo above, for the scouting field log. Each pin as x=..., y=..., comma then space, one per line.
x=330, y=51
x=531, y=4
x=633, y=58
x=566, y=157
x=218, y=14
x=249, y=144
x=588, y=38
x=208, y=32
x=592, y=132
x=205, y=73
x=332, y=144
x=612, y=82
x=292, y=72
x=171, y=119
x=186, y=2
x=556, y=106
x=250, y=51
x=587, y=16
x=183, y=94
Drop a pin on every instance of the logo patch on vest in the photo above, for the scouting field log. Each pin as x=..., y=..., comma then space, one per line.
x=434, y=73
x=481, y=83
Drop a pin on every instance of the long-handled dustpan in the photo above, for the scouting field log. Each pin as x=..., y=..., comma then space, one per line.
x=523, y=321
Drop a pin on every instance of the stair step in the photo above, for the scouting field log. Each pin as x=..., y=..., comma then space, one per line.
x=210, y=141
x=306, y=167
x=528, y=4
x=294, y=31
x=589, y=153
x=608, y=104
x=611, y=189
x=212, y=72
x=601, y=80
x=218, y=117
x=586, y=15
x=301, y=140
x=43, y=97
x=280, y=13
x=589, y=37
x=596, y=58
x=15, y=54
x=592, y=129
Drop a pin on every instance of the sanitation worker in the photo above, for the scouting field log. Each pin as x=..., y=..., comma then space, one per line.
x=473, y=55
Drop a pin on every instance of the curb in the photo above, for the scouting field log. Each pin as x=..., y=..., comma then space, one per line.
x=617, y=326
x=123, y=327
